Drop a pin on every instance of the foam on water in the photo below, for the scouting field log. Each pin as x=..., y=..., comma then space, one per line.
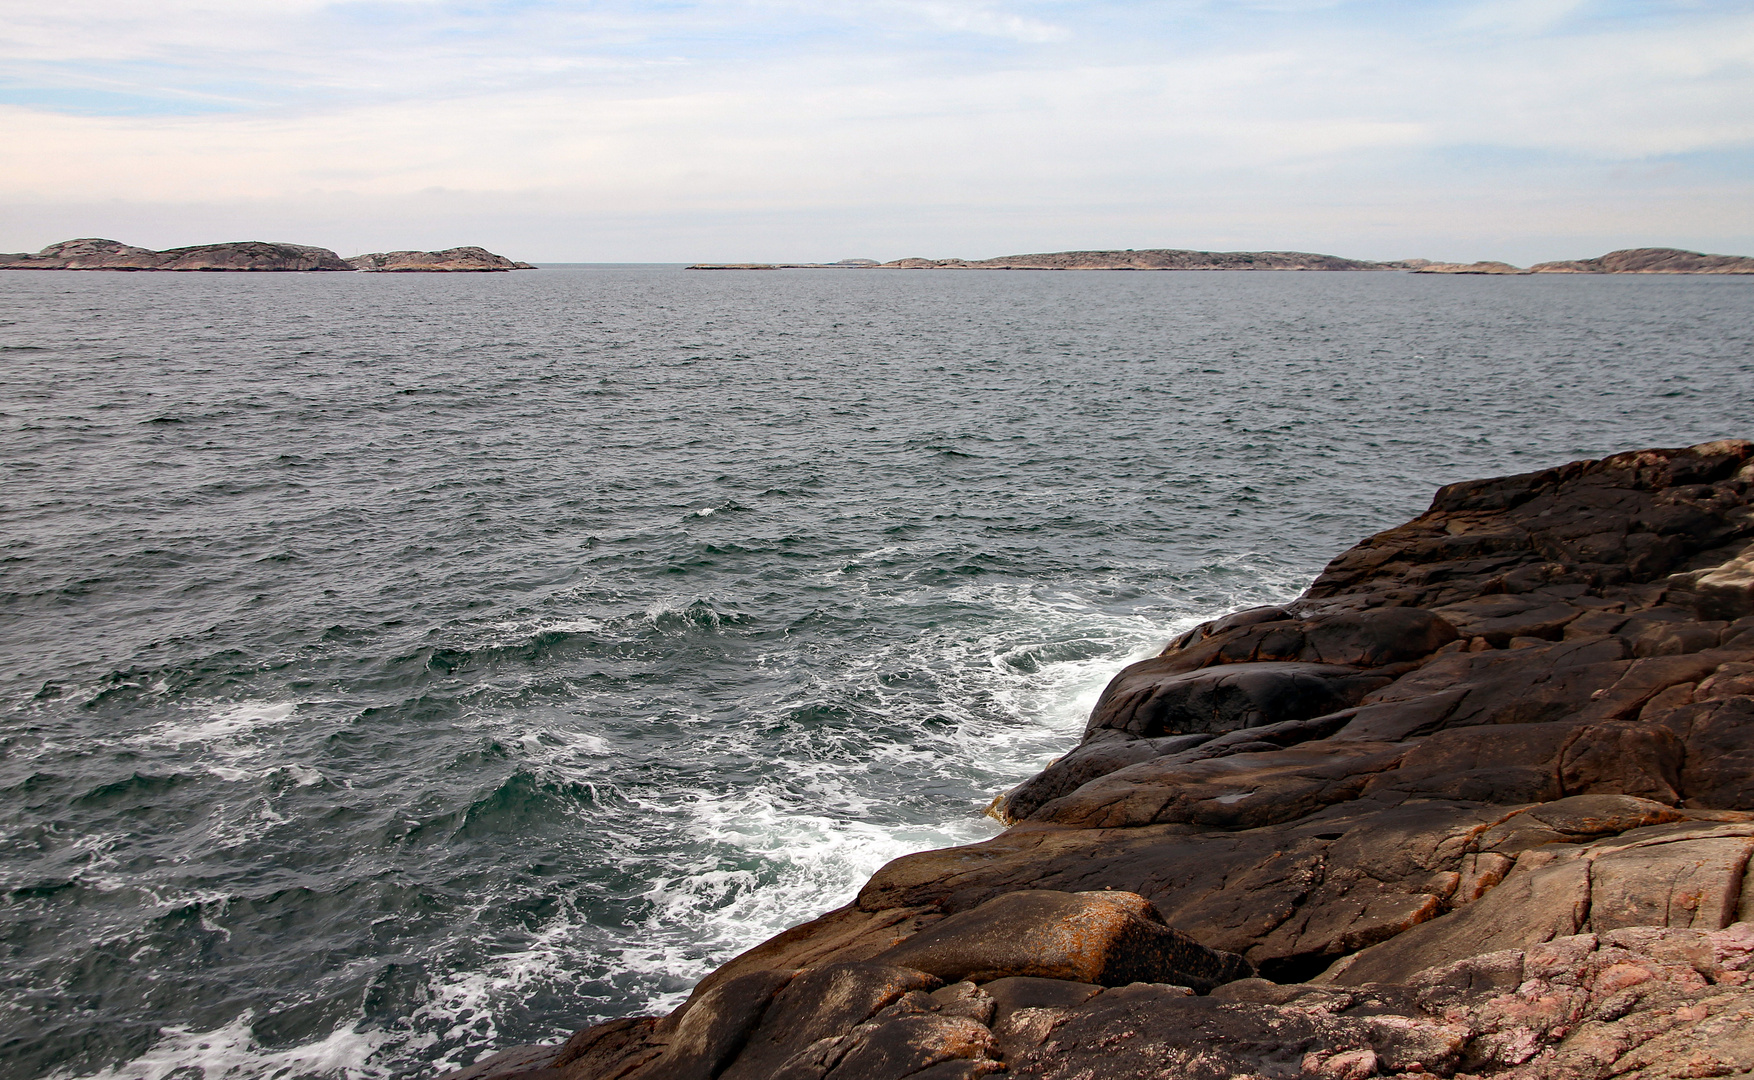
x=224, y=729
x=469, y=663
x=231, y=1053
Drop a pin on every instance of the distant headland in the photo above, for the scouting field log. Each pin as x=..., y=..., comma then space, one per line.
x=1625, y=261
x=1628, y=261
x=254, y=256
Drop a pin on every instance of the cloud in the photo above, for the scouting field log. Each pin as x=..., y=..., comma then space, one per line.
x=1519, y=16
x=740, y=110
x=973, y=16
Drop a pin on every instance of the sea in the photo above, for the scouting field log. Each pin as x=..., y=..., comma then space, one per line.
x=394, y=667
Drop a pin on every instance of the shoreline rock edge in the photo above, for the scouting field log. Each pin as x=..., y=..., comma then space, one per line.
x=1480, y=803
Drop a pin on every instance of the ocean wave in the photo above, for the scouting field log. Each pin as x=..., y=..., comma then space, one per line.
x=232, y=1053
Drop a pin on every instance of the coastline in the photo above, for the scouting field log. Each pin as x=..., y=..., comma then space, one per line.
x=1625, y=261
x=1514, y=736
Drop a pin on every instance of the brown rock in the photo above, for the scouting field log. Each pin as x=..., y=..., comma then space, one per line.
x=1239, y=791
x=1103, y=938
x=1145, y=701
x=818, y=1004
x=713, y=1027
x=517, y=1063
x=909, y=1046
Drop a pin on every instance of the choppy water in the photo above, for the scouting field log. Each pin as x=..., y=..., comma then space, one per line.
x=392, y=666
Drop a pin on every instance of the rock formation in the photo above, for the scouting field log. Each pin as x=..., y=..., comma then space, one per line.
x=1633, y=261
x=248, y=255
x=1151, y=259
x=466, y=260
x=1651, y=261
x=1480, y=803
x=1468, y=268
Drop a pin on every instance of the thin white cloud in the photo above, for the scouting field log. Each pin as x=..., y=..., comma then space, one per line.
x=874, y=109
x=977, y=17
x=1519, y=16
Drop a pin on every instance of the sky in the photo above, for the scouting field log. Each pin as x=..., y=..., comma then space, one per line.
x=683, y=130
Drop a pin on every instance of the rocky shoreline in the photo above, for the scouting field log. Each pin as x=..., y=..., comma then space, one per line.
x=1629, y=261
x=253, y=256
x=1143, y=259
x=1479, y=803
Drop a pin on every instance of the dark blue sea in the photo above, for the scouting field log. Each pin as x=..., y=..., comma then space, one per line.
x=393, y=666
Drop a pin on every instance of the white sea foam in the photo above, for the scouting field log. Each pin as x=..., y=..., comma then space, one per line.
x=797, y=865
x=228, y=725
x=733, y=867
x=509, y=631
x=232, y=1053
x=766, y=856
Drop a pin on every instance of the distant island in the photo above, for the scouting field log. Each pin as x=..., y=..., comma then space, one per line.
x=1628, y=261
x=1145, y=259
x=254, y=256
x=1625, y=261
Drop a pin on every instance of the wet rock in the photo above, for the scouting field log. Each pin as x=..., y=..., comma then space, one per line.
x=1104, y=938
x=821, y=1003
x=516, y=1063
x=1150, y=699
x=909, y=1045
x=714, y=1027
x=1015, y=993
x=1238, y=791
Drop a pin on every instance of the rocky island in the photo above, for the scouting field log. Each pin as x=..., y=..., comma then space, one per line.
x=1153, y=259
x=1651, y=261
x=1629, y=261
x=457, y=260
x=1480, y=803
x=1483, y=267
x=252, y=255
x=1149, y=259
x=249, y=255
